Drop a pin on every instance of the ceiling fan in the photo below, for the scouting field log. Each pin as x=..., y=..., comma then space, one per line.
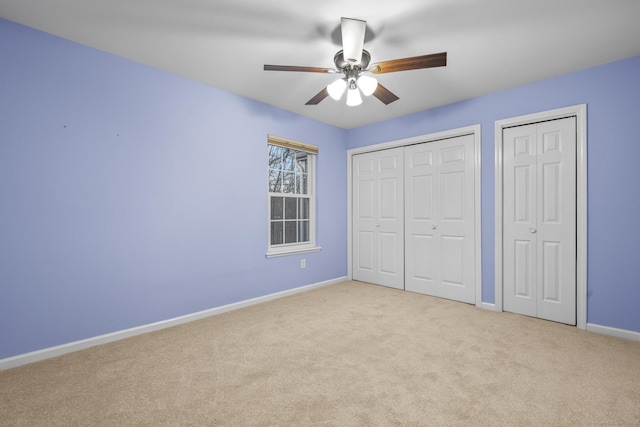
x=352, y=64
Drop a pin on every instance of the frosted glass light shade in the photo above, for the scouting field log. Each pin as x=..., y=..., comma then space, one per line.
x=336, y=89
x=353, y=97
x=367, y=85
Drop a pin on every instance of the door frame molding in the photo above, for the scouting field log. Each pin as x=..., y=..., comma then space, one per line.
x=474, y=130
x=580, y=113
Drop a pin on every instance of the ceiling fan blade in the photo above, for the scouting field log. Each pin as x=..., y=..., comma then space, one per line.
x=352, y=39
x=296, y=68
x=413, y=63
x=385, y=95
x=319, y=97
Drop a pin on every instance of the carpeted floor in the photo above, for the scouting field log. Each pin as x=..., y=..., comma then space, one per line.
x=349, y=354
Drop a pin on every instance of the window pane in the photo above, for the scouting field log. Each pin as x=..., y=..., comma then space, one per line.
x=290, y=208
x=290, y=232
x=303, y=208
x=304, y=185
x=288, y=159
x=277, y=207
x=302, y=162
x=303, y=231
x=275, y=181
x=289, y=184
x=276, y=232
x=275, y=157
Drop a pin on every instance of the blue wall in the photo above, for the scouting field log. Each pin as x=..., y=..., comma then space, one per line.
x=612, y=95
x=130, y=195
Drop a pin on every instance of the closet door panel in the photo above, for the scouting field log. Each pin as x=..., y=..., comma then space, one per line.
x=421, y=209
x=557, y=220
x=519, y=233
x=439, y=200
x=539, y=220
x=378, y=217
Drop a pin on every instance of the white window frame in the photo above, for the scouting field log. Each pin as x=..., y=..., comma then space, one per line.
x=303, y=247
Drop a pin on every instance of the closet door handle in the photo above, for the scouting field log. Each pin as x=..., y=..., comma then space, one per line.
x=377, y=225
x=532, y=230
x=433, y=227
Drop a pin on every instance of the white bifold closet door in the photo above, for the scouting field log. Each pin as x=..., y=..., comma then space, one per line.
x=539, y=220
x=378, y=207
x=413, y=218
x=439, y=219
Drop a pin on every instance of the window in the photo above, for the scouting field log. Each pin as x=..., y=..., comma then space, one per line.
x=291, y=197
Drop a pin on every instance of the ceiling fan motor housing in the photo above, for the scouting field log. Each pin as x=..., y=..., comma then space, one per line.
x=342, y=64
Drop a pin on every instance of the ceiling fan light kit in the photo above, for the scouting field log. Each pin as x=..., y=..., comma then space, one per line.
x=353, y=60
x=353, y=80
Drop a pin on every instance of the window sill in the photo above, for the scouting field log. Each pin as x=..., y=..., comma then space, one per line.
x=293, y=251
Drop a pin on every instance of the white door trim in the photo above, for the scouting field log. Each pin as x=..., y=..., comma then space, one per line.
x=580, y=112
x=474, y=130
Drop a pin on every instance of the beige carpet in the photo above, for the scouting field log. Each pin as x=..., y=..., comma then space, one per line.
x=350, y=354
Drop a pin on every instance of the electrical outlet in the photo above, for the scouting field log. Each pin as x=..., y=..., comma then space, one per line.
x=303, y=263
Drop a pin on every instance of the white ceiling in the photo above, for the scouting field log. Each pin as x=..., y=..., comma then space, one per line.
x=491, y=44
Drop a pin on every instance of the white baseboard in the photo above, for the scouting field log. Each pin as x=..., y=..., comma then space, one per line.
x=620, y=333
x=47, y=353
